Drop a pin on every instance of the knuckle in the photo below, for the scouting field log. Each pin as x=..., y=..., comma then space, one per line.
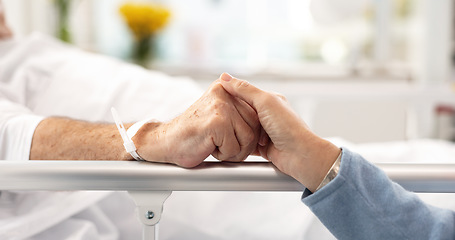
x=232, y=151
x=269, y=99
x=242, y=84
x=215, y=121
x=216, y=88
x=221, y=108
x=217, y=155
x=281, y=96
x=218, y=121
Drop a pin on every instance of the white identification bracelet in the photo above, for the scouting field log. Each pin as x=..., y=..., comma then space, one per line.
x=127, y=142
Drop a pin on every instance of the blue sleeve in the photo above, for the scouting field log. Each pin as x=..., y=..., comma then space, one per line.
x=363, y=203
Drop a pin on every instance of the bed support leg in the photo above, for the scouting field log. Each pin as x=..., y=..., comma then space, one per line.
x=149, y=206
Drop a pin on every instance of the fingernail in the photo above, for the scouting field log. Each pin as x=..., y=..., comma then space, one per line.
x=226, y=77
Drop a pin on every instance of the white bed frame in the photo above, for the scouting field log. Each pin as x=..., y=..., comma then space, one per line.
x=150, y=184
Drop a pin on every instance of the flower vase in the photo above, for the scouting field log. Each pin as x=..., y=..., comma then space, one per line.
x=144, y=51
x=63, y=7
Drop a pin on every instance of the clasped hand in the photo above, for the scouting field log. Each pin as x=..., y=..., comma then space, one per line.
x=217, y=124
x=226, y=122
x=232, y=120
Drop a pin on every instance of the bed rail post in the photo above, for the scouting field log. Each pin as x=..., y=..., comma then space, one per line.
x=149, y=206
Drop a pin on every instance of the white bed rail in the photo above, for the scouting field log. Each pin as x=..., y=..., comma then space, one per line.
x=209, y=176
x=150, y=184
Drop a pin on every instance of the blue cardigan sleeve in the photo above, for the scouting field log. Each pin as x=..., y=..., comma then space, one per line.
x=363, y=203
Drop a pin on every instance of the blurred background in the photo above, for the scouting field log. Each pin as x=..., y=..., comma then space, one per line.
x=363, y=70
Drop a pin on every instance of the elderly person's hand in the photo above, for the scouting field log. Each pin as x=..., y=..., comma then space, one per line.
x=5, y=32
x=217, y=124
x=290, y=144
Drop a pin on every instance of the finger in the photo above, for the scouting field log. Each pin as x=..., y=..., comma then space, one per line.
x=263, y=151
x=250, y=136
x=242, y=89
x=256, y=151
x=263, y=138
x=245, y=135
x=281, y=96
x=248, y=114
x=226, y=142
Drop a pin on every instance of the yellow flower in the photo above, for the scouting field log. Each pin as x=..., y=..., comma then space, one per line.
x=144, y=19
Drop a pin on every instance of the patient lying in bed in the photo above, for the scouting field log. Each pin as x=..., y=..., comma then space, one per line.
x=40, y=77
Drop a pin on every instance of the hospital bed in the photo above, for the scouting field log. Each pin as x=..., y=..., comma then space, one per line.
x=150, y=184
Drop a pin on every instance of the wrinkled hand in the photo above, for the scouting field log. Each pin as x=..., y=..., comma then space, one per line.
x=288, y=143
x=217, y=124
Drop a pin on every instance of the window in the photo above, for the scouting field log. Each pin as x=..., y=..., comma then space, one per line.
x=283, y=37
x=389, y=39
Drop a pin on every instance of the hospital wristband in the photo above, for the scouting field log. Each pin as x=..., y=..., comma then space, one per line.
x=127, y=141
x=331, y=174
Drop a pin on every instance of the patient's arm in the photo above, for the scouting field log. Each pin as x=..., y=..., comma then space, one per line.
x=216, y=124
x=63, y=138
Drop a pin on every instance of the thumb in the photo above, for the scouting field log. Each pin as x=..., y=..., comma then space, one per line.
x=242, y=89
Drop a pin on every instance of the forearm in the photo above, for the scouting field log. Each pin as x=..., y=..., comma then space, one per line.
x=67, y=139
x=363, y=203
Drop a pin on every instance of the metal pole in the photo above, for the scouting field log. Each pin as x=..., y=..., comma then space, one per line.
x=149, y=206
x=209, y=176
x=149, y=232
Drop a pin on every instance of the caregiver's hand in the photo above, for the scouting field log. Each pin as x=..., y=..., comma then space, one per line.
x=217, y=124
x=291, y=146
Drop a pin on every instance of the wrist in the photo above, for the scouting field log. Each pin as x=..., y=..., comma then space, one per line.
x=148, y=142
x=314, y=161
x=331, y=174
